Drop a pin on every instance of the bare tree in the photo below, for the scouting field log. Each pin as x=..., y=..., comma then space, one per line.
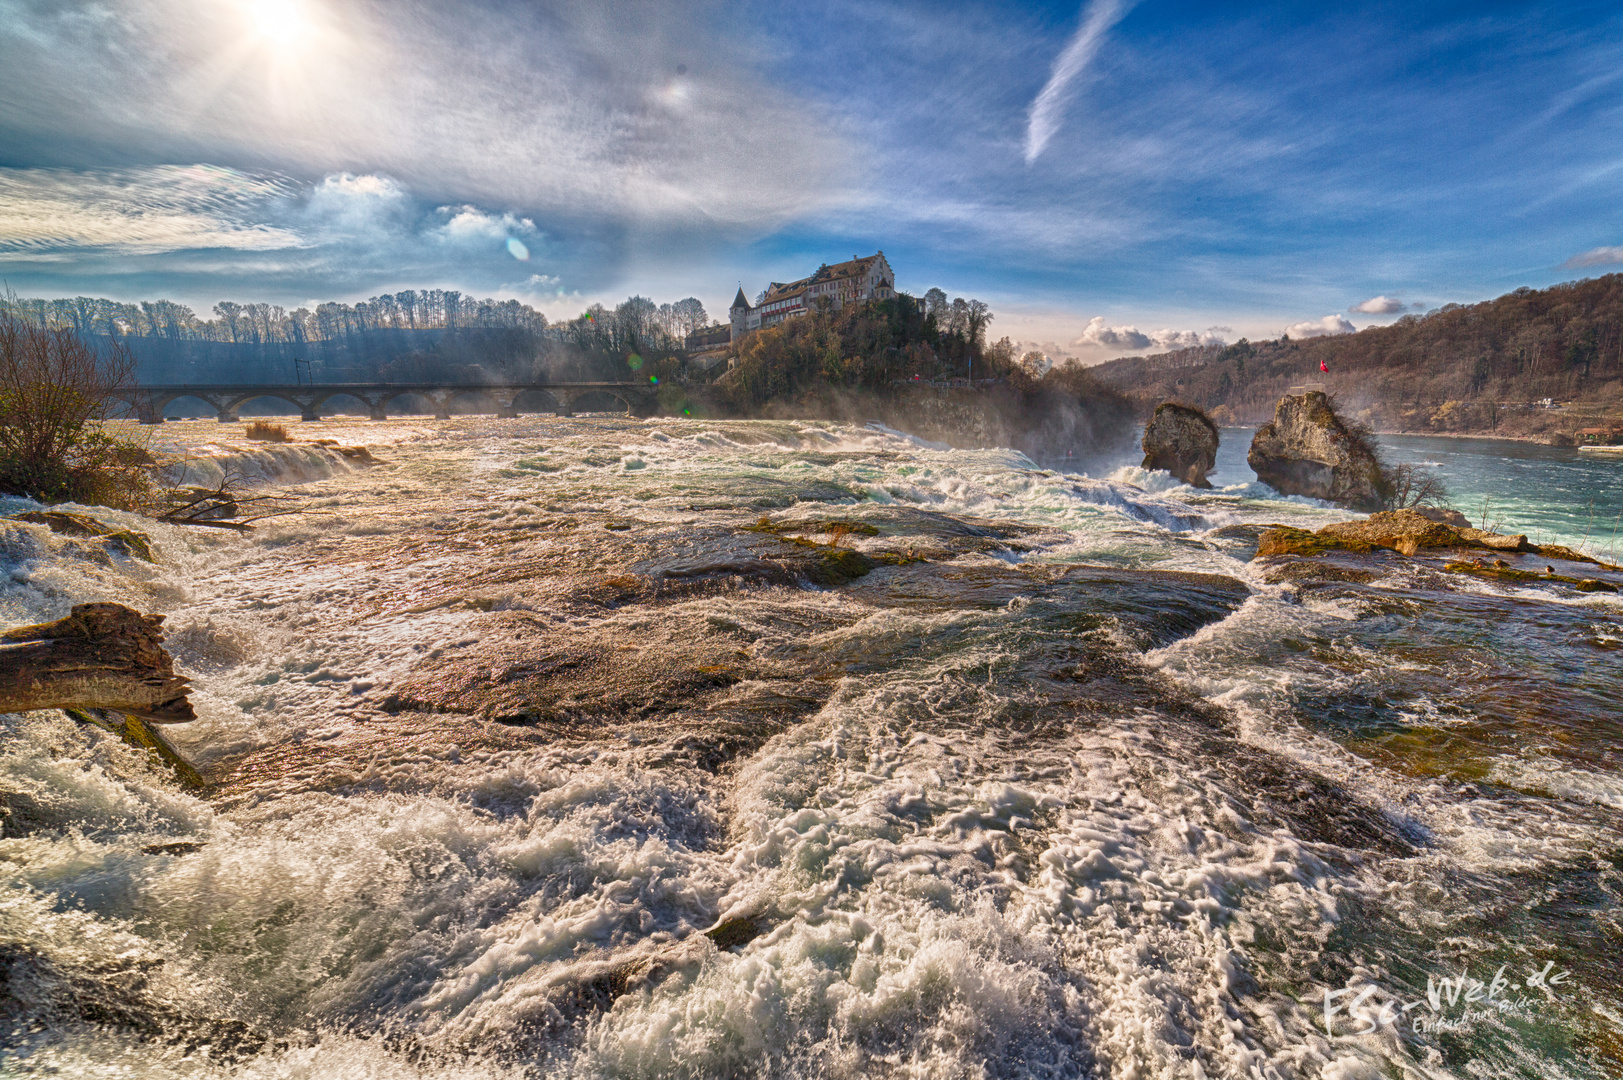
x=689, y=316
x=54, y=390
x=1415, y=485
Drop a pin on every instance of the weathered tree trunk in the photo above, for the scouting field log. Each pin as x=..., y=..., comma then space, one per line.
x=103, y=656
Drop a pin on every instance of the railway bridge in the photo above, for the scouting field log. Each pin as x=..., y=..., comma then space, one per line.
x=149, y=402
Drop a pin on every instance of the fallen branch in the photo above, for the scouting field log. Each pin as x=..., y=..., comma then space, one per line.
x=239, y=526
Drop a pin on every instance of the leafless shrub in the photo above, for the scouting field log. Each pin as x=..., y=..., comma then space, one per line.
x=55, y=390
x=265, y=432
x=1415, y=485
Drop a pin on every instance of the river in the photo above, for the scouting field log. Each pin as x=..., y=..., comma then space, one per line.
x=1034, y=774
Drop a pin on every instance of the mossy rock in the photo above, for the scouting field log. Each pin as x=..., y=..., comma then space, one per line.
x=132, y=544
x=838, y=566
x=1285, y=540
x=830, y=525
x=1527, y=577
x=63, y=523
x=144, y=736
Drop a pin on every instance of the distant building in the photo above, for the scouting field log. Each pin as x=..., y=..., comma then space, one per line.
x=710, y=337
x=708, y=346
x=869, y=278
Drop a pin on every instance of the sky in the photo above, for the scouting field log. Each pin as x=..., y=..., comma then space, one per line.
x=1111, y=177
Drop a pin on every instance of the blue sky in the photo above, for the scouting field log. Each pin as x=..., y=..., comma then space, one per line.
x=1111, y=177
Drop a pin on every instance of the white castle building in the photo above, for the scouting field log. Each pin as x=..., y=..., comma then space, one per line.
x=869, y=278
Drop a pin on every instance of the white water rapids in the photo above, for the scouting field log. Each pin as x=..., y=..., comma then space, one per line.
x=959, y=865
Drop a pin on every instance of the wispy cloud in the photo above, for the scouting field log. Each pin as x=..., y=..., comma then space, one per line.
x=1601, y=256
x=1048, y=107
x=44, y=212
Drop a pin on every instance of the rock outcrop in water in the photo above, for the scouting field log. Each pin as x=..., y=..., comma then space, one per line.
x=1404, y=531
x=1415, y=531
x=1306, y=449
x=1182, y=440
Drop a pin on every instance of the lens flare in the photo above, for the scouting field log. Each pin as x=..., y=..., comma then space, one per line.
x=516, y=248
x=281, y=22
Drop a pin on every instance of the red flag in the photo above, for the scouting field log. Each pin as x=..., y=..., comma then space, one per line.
x=1324, y=365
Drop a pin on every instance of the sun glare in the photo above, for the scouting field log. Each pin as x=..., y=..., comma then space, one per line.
x=279, y=21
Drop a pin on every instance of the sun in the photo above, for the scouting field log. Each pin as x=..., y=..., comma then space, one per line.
x=281, y=22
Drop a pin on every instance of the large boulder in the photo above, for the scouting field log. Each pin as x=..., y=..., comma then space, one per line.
x=1306, y=449
x=1183, y=441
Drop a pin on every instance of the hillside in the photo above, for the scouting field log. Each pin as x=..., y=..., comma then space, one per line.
x=1482, y=368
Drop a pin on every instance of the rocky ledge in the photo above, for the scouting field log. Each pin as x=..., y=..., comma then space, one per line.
x=1414, y=531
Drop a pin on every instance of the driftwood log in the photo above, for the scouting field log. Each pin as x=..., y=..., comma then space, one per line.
x=102, y=656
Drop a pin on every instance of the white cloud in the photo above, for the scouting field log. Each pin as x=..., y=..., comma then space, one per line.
x=140, y=211
x=1329, y=326
x=1184, y=339
x=1379, y=305
x=470, y=225
x=1099, y=336
x=345, y=203
x=1601, y=256
x=1049, y=105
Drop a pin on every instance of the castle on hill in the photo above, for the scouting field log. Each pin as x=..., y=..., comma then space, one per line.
x=869, y=278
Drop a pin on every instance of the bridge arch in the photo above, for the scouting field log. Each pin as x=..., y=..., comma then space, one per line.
x=334, y=403
x=412, y=403
x=538, y=399
x=595, y=399
x=162, y=405
x=235, y=402
x=489, y=399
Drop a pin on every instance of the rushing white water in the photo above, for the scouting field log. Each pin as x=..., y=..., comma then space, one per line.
x=960, y=862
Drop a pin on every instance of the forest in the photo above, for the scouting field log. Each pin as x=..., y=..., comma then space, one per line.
x=1476, y=368
x=410, y=336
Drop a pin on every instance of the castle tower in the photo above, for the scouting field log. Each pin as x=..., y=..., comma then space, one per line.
x=740, y=312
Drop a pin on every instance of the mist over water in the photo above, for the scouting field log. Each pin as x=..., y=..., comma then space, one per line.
x=1064, y=785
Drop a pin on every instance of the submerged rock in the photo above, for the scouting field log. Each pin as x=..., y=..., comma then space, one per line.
x=1181, y=440
x=127, y=541
x=1502, y=571
x=1306, y=449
